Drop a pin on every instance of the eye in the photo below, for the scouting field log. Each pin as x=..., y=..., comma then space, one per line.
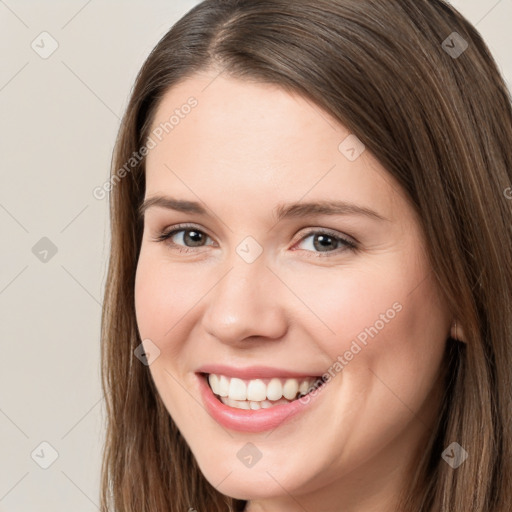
x=187, y=234
x=185, y=238
x=322, y=240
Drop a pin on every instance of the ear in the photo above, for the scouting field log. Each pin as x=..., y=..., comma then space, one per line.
x=457, y=332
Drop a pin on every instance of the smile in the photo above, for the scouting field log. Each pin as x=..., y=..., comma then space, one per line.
x=257, y=394
x=255, y=400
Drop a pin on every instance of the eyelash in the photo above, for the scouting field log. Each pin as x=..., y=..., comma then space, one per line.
x=167, y=235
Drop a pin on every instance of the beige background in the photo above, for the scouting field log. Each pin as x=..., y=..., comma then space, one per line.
x=59, y=118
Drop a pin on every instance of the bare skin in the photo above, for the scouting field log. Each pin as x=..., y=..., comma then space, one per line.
x=245, y=149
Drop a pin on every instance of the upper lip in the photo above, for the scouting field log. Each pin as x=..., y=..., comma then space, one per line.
x=252, y=372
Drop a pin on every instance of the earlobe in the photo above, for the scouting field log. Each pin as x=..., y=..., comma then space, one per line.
x=457, y=332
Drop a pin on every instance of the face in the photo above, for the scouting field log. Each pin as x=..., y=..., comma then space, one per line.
x=235, y=282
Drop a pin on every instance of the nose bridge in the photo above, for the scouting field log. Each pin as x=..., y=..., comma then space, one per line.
x=244, y=302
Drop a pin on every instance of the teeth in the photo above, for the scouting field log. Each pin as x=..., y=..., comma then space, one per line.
x=214, y=383
x=303, y=388
x=246, y=404
x=257, y=393
x=237, y=389
x=223, y=389
x=290, y=389
x=256, y=390
x=274, y=389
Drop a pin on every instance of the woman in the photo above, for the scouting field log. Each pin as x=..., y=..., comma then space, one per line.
x=249, y=366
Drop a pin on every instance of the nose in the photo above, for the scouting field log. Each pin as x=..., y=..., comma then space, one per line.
x=247, y=302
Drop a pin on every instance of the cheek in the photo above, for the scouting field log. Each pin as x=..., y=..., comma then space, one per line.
x=388, y=348
x=164, y=293
x=149, y=292
x=380, y=316
x=409, y=350
x=348, y=304
x=163, y=296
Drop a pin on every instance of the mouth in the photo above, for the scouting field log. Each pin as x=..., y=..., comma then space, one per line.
x=259, y=398
x=261, y=393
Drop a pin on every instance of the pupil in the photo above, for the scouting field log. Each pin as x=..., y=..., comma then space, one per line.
x=194, y=234
x=322, y=239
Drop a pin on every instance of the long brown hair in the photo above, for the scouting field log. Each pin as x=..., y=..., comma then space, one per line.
x=438, y=117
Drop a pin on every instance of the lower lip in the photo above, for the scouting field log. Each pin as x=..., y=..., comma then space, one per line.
x=248, y=420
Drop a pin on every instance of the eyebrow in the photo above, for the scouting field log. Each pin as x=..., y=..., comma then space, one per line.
x=282, y=211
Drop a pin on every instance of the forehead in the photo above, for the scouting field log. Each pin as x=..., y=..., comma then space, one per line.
x=214, y=132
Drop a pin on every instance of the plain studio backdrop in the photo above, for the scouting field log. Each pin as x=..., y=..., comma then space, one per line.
x=67, y=68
